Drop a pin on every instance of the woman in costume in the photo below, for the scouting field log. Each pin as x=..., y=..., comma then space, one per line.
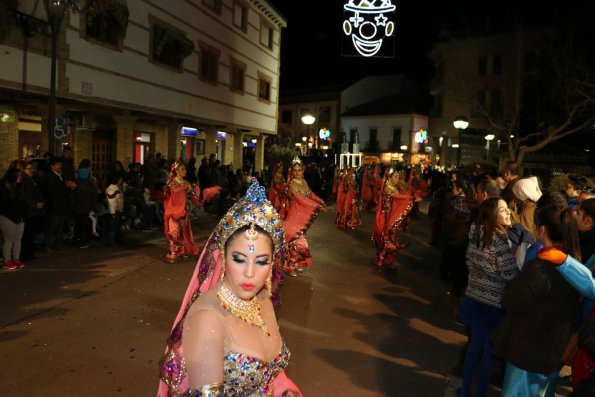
x=225, y=340
x=278, y=186
x=347, y=209
x=541, y=307
x=179, y=195
x=392, y=215
x=367, y=191
x=303, y=206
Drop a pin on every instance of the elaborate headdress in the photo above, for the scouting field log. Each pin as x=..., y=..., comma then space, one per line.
x=296, y=161
x=252, y=209
x=172, y=171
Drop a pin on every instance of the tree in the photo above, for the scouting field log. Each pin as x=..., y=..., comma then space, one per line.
x=551, y=95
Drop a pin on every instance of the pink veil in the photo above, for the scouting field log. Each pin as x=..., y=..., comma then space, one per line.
x=207, y=274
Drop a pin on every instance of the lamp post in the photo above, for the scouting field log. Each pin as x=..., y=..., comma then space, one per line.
x=308, y=120
x=488, y=138
x=55, y=10
x=460, y=123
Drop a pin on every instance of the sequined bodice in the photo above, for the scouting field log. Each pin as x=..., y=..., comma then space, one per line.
x=246, y=376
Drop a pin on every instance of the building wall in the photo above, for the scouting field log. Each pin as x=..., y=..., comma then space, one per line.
x=296, y=129
x=385, y=124
x=97, y=79
x=458, y=81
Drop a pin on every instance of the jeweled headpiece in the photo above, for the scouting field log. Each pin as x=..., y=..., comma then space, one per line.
x=296, y=161
x=252, y=209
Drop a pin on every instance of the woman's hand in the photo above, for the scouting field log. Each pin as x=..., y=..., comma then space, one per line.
x=290, y=393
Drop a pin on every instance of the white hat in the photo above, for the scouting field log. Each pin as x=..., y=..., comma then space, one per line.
x=527, y=189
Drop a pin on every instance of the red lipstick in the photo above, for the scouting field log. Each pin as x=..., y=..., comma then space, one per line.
x=247, y=286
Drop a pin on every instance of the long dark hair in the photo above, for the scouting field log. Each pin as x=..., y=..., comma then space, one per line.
x=561, y=226
x=486, y=223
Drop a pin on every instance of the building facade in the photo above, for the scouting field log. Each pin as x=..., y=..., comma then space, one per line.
x=135, y=78
x=480, y=77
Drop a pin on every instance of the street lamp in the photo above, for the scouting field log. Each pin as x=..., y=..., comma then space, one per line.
x=55, y=10
x=308, y=120
x=460, y=123
x=488, y=138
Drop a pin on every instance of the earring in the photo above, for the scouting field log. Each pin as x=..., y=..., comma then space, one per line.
x=269, y=283
x=222, y=266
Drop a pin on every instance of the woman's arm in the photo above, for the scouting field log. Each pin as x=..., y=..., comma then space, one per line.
x=202, y=341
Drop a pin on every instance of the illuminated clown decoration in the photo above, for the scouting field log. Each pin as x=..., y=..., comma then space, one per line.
x=369, y=25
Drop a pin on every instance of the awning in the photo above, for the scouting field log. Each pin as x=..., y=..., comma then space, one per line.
x=185, y=45
x=118, y=9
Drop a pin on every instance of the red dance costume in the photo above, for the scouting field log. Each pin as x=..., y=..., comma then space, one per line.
x=303, y=206
x=176, y=217
x=277, y=189
x=367, y=194
x=347, y=208
x=392, y=215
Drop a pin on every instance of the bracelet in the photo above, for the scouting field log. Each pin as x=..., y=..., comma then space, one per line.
x=212, y=390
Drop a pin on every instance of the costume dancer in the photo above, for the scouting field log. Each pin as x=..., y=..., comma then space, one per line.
x=347, y=209
x=367, y=192
x=225, y=340
x=278, y=187
x=303, y=206
x=392, y=214
x=179, y=195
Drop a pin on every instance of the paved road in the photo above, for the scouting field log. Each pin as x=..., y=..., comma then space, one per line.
x=93, y=322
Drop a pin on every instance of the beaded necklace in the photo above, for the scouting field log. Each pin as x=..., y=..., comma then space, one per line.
x=246, y=310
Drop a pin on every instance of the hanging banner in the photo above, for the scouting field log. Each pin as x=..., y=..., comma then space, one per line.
x=369, y=28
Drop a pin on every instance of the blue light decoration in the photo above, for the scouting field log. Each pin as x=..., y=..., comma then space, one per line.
x=189, y=131
x=421, y=136
x=369, y=23
x=324, y=134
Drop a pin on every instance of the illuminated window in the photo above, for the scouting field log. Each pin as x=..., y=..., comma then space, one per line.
x=238, y=76
x=240, y=15
x=264, y=88
x=266, y=35
x=209, y=64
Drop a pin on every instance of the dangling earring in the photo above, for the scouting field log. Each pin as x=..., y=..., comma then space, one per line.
x=269, y=283
x=222, y=267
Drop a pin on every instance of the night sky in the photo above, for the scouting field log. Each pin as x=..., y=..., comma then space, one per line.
x=311, y=44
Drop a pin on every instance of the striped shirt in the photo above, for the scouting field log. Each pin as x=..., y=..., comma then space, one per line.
x=490, y=269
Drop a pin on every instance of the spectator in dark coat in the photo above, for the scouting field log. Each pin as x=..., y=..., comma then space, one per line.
x=204, y=174
x=32, y=196
x=11, y=219
x=83, y=200
x=68, y=171
x=57, y=204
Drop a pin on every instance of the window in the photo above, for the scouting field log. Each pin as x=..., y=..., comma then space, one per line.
x=482, y=66
x=266, y=35
x=214, y=5
x=397, y=132
x=209, y=64
x=238, y=76
x=240, y=15
x=353, y=136
x=264, y=88
x=168, y=47
x=324, y=114
x=373, y=144
x=287, y=117
x=495, y=102
x=496, y=65
x=103, y=27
